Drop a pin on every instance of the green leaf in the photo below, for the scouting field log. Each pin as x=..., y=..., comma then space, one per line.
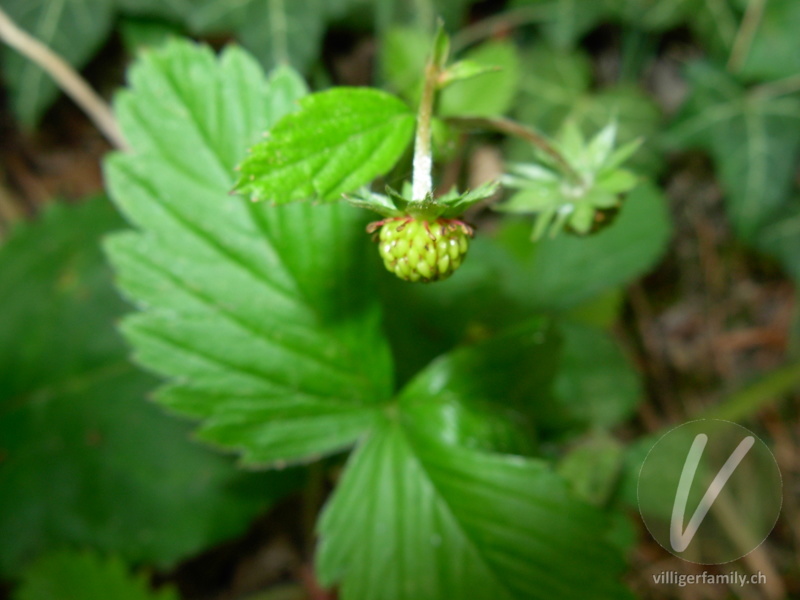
x=564, y=271
x=780, y=238
x=402, y=60
x=595, y=384
x=260, y=316
x=775, y=50
x=138, y=34
x=593, y=467
x=464, y=70
x=68, y=576
x=84, y=459
x=658, y=15
x=283, y=32
x=716, y=23
x=277, y=32
x=176, y=11
x=413, y=519
x=566, y=21
x=506, y=279
x=550, y=84
x=338, y=141
x=483, y=396
x=491, y=94
x=754, y=140
x=73, y=29
x=557, y=88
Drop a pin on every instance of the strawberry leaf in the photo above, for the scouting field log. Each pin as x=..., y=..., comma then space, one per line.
x=260, y=316
x=414, y=518
x=338, y=141
x=85, y=459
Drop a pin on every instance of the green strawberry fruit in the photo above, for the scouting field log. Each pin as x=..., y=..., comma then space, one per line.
x=421, y=250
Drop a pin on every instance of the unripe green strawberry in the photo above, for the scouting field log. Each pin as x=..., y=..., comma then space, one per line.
x=420, y=250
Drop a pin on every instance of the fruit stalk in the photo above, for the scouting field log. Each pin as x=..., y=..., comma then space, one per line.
x=422, y=179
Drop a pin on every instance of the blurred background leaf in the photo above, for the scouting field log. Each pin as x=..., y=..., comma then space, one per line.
x=84, y=576
x=753, y=138
x=74, y=29
x=85, y=460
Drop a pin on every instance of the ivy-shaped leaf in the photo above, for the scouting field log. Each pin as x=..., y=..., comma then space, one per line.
x=74, y=29
x=68, y=575
x=338, y=141
x=754, y=140
x=414, y=518
x=85, y=459
x=260, y=316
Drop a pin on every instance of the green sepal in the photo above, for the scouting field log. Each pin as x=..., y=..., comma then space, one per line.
x=457, y=203
x=395, y=204
x=581, y=199
x=380, y=203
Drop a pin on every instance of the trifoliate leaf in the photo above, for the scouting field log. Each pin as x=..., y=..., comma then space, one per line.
x=260, y=316
x=85, y=459
x=413, y=518
x=338, y=141
x=69, y=576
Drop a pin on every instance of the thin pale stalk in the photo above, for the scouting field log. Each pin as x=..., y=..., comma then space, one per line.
x=67, y=78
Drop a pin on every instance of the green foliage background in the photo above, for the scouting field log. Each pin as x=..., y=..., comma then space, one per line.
x=479, y=413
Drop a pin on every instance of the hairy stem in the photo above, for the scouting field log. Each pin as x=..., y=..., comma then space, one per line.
x=422, y=181
x=67, y=78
